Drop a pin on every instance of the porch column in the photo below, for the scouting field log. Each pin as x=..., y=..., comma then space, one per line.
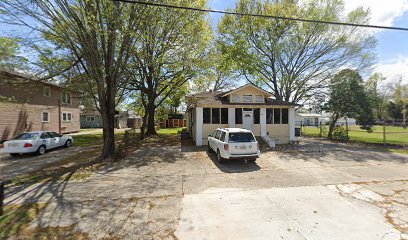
x=292, y=124
x=231, y=117
x=199, y=126
x=263, y=121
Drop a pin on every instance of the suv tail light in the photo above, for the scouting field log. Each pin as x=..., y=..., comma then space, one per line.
x=226, y=147
x=27, y=145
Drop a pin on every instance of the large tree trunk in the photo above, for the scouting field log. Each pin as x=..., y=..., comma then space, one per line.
x=143, y=128
x=108, y=123
x=150, y=119
x=333, y=121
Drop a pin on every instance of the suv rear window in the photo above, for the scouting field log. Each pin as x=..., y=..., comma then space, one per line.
x=241, y=137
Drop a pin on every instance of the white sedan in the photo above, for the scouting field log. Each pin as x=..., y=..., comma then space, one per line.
x=36, y=142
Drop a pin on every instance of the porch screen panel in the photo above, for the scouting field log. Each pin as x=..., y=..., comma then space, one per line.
x=269, y=115
x=215, y=116
x=285, y=116
x=238, y=116
x=276, y=115
x=224, y=115
x=257, y=115
x=207, y=115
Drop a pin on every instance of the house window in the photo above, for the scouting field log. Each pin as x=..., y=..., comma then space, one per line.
x=45, y=117
x=66, y=98
x=238, y=116
x=259, y=99
x=66, y=117
x=257, y=115
x=276, y=115
x=90, y=118
x=247, y=98
x=269, y=115
x=207, y=115
x=215, y=116
x=285, y=116
x=47, y=91
x=235, y=98
x=224, y=115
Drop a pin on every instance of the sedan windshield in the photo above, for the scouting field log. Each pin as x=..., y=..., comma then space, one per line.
x=27, y=136
x=241, y=137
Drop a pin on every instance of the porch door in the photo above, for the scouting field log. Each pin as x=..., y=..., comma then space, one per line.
x=247, y=118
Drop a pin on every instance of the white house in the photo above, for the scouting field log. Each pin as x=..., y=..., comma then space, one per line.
x=248, y=107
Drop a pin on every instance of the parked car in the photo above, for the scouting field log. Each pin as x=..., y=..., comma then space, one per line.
x=233, y=143
x=36, y=142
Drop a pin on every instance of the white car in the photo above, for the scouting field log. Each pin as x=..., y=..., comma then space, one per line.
x=36, y=142
x=233, y=143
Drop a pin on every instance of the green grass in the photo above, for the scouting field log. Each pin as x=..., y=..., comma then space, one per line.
x=394, y=135
x=170, y=130
x=85, y=140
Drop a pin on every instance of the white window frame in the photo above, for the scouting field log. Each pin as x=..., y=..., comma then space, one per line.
x=259, y=99
x=245, y=98
x=42, y=116
x=66, y=117
x=64, y=98
x=49, y=91
x=90, y=118
x=235, y=98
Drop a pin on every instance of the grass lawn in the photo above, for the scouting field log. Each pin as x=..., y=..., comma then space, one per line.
x=85, y=140
x=170, y=130
x=394, y=135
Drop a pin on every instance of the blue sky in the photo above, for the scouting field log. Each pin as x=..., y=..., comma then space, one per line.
x=392, y=46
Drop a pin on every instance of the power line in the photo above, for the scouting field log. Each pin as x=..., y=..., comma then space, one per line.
x=261, y=15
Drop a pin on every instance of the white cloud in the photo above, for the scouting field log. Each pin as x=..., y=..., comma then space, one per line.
x=383, y=12
x=394, y=69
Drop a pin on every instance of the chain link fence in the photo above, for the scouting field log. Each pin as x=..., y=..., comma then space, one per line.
x=390, y=132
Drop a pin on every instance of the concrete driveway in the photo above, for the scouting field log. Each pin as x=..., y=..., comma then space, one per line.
x=316, y=191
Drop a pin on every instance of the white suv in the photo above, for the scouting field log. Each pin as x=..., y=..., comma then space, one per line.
x=233, y=143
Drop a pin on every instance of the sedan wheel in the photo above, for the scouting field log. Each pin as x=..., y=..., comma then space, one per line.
x=14, y=154
x=68, y=143
x=41, y=150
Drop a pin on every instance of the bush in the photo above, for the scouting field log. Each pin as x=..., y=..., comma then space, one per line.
x=339, y=133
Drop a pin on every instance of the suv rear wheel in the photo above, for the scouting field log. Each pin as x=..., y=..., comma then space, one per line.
x=220, y=160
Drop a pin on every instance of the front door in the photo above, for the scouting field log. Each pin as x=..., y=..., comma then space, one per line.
x=247, y=118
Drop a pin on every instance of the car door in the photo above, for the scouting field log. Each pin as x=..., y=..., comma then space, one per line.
x=56, y=139
x=217, y=140
x=211, y=139
x=45, y=139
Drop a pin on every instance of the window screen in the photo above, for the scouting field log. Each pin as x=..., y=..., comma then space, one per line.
x=269, y=115
x=276, y=115
x=285, y=116
x=207, y=115
x=259, y=98
x=238, y=116
x=257, y=115
x=224, y=115
x=247, y=98
x=215, y=116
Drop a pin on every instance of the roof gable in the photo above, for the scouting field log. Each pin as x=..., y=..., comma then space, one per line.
x=246, y=87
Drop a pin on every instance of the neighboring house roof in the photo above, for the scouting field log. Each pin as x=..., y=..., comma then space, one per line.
x=309, y=114
x=30, y=78
x=248, y=85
